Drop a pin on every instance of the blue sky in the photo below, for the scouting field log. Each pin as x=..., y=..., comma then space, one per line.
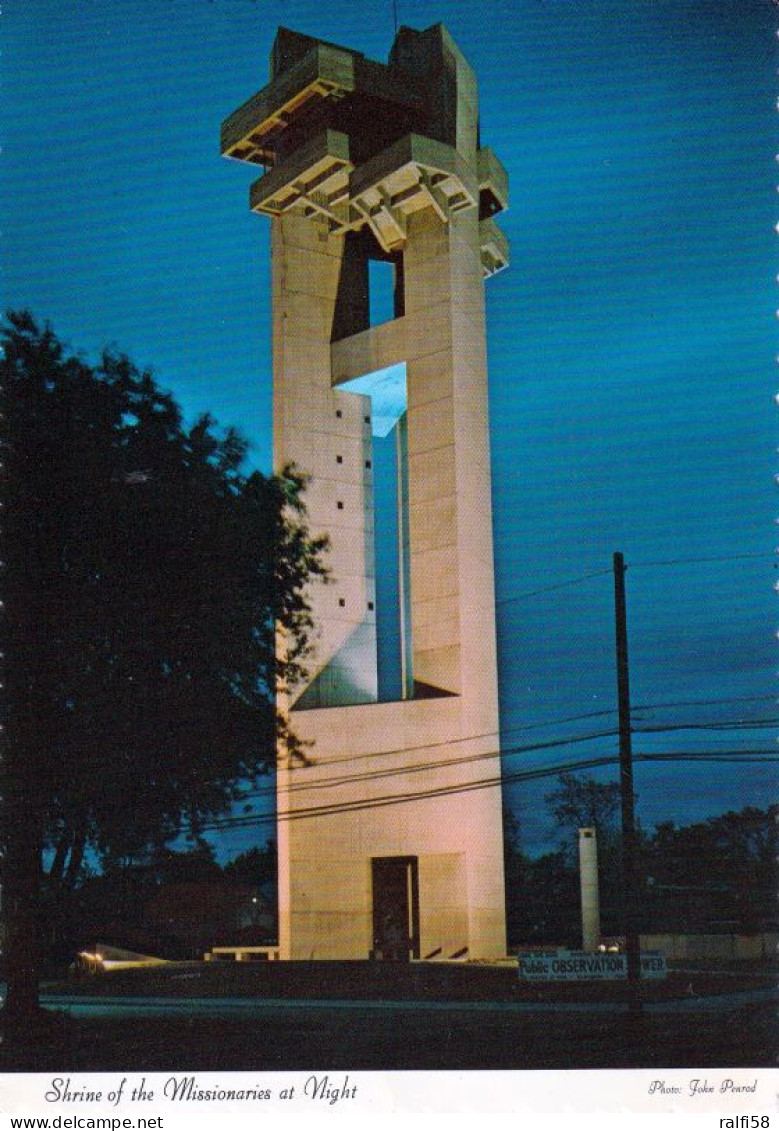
x=631, y=343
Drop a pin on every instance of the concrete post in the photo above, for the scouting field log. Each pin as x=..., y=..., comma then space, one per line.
x=588, y=874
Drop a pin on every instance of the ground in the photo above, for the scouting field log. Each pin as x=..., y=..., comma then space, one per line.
x=369, y=1016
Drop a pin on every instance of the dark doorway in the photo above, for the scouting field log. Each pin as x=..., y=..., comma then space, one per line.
x=395, y=908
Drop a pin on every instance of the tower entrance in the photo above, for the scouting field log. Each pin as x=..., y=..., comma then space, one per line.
x=395, y=891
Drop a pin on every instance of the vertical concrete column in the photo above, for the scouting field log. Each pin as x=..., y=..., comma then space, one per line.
x=452, y=579
x=588, y=874
x=450, y=512
x=432, y=471
x=325, y=434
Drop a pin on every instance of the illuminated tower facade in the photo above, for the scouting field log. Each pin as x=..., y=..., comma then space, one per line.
x=391, y=843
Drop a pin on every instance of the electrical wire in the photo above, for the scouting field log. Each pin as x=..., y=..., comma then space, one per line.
x=633, y=565
x=433, y=764
x=551, y=588
x=742, y=757
x=700, y=561
x=644, y=707
x=740, y=724
x=334, y=780
x=356, y=805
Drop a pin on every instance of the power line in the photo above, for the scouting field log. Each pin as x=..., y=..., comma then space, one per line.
x=549, y=722
x=722, y=742
x=551, y=588
x=644, y=707
x=744, y=756
x=398, y=798
x=369, y=775
x=358, y=805
x=564, y=719
x=700, y=561
x=740, y=724
x=334, y=780
x=707, y=702
x=338, y=759
x=331, y=781
x=634, y=565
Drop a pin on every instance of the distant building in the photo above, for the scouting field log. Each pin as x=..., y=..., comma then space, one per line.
x=391, y=844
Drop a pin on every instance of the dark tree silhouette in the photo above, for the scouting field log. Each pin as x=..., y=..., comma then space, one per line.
x=144, y=575
x=581, y=802
x=255, y=866
x=719, y=874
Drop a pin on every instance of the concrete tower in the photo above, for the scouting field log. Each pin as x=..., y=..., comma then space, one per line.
x=590, y=890
x=391, y=843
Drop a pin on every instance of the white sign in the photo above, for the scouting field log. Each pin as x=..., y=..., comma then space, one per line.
x=581, y=965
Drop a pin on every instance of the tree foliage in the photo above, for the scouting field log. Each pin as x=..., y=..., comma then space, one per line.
x=145, y=573
x=581, y=802
x=255, y=866
x=715, y=875
x=718, y=873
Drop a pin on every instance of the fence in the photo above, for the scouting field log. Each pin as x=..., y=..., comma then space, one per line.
x=741, y=947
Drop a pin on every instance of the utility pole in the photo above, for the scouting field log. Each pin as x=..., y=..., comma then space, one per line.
x=632, y=942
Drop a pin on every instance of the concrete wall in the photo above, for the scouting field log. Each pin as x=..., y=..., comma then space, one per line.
x=326, y=911
x=741, y=947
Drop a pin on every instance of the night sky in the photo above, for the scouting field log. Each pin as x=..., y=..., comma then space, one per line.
x=631, y=342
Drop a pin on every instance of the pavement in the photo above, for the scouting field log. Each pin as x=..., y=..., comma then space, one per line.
x=107, y=1006
x=174, y=1022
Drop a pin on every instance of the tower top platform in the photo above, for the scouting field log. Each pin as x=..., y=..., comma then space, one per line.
x=349, y=142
